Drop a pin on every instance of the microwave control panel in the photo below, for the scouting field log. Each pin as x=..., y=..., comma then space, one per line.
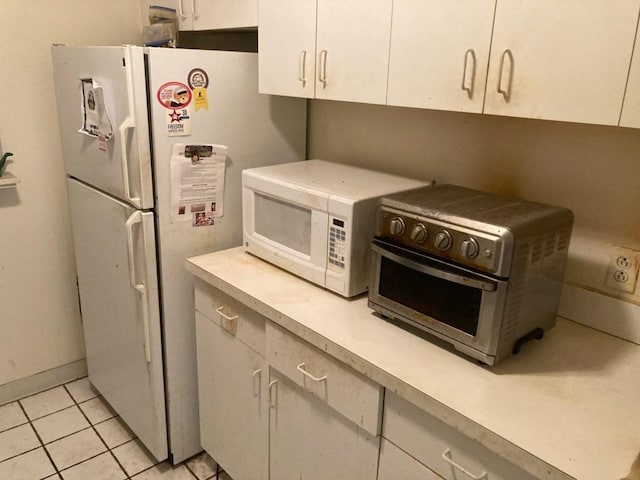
x=337, y=242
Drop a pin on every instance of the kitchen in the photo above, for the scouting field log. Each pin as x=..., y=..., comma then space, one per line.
x=588, y=168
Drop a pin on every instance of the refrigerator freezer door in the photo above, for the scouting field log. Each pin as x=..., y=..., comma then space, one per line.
x=258, y=130
x=117, y=277
x=120, y=165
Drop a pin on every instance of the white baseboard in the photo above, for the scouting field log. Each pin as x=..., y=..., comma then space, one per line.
x=42, y=381
x=601, y=312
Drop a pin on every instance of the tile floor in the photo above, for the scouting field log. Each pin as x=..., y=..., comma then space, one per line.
x=70, y=433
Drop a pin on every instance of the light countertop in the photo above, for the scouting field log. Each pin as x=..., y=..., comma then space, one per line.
x=565, y=407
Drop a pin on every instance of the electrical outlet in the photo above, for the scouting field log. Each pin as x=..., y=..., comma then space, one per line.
x=622, y=273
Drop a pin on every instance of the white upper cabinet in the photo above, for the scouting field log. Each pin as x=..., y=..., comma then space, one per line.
x=208, y=14
x=631, y=107
x=287, y=47
x=439, y=54
x=330, y=49
x=353, y=50
x=561, y=60
x=220, y=14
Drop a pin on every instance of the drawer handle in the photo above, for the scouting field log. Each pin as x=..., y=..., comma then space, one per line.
x=301, y=368
x=229, y=323
x=447, y=456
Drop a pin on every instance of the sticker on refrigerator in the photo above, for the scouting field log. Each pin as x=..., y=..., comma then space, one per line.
x=198, y=81
x=176, y=98
x=197, y=183
x=95, y=119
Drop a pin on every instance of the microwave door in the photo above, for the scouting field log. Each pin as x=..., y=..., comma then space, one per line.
x=452, y=303
x=289, y=234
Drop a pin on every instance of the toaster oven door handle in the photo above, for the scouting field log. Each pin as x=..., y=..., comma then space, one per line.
x=468, y=280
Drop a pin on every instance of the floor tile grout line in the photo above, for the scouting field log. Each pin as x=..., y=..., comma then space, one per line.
x=44, y=449
x=113, y=455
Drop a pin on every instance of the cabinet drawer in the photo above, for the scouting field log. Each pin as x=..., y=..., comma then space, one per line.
x=356, y=397
x=395, y=464
x=429, y=441
x=237, y=319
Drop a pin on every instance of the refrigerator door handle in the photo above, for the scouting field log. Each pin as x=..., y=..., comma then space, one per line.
x=136, y=217
x=128, y=123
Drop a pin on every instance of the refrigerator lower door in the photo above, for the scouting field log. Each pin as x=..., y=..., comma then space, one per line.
x=117, y=278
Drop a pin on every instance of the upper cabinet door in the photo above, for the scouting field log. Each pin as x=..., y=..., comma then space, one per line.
x=353, y=50
x=561, y=60
x=439, y=54
x=287, y=47
x=631, y=107
x=219, y=14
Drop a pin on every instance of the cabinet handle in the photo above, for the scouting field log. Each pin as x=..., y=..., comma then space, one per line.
x=505, y=93
x=301, y=368
x=229, y=323
x=447, y=456
x=194, y=10
x=470, y=54
x=322, y=71
x=181, y=10
x=302, y=67
x=256, y=375
x=273, y=397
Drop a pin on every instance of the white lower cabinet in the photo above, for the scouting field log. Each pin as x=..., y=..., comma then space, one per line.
x=325, y=417
x=396, y=464
x=232, y=387
x=311, y=422
x=312, y=441
x=444, y=450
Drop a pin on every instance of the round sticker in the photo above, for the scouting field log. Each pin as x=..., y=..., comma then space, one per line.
x=174, y=95
x=198, y=78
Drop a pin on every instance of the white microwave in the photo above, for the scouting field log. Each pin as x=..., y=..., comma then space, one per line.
x=316, y=219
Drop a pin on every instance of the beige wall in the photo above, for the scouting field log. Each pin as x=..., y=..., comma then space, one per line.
x=39, y=320
x=593, y=170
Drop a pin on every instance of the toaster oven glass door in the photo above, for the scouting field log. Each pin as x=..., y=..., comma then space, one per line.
x=453, y=303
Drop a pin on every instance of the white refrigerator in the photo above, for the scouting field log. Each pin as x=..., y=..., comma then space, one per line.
x=154, y=142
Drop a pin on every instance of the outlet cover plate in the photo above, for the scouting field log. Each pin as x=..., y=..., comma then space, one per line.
x=622, y=271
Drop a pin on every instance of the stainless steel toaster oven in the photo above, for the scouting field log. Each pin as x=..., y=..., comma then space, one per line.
x=481, y=271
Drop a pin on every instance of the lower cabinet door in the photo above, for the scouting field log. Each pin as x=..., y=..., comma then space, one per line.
x=396, y=464
x=232, y=390
x=312, y=441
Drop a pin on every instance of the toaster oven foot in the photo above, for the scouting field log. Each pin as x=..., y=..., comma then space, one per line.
x=536, y=334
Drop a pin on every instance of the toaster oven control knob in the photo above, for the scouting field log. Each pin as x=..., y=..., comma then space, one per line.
x=442, y=240
x=396, y=227
x=469, y=248
x=419, y=233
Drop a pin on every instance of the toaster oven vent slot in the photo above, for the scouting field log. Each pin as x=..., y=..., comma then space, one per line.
x=536, y=251
x=563, y=239
x=550, y=244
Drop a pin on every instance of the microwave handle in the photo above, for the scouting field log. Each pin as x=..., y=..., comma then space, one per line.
x=435, y=272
